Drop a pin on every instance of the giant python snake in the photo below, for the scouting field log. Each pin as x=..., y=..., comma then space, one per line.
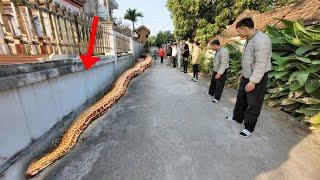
x=70, y=138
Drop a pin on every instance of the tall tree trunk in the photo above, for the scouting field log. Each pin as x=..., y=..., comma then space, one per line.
x=133, y=26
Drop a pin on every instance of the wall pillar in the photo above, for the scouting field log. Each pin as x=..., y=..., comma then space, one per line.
x=113, y=45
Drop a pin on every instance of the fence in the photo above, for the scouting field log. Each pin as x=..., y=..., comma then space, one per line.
x=40, y=27
x=123, y=43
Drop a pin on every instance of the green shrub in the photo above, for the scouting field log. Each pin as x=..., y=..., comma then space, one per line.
x=206, y=60
x=234, y=71
x=294, y=82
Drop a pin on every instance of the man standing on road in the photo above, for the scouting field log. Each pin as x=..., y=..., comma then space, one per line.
x=161, y=54
x=220, y=68
x=256, y=62
x=185, y=54
x=174, y=55
x=195, y=61
x=169, y=54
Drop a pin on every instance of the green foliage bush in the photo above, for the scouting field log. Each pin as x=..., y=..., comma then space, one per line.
x=206, y=61
x=294, y=82
x=234, y=71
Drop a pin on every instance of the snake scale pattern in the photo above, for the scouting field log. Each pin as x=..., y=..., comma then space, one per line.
x=70, y=138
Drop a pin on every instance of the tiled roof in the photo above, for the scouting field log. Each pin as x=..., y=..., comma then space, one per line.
x=142, y=27
x=306, y=10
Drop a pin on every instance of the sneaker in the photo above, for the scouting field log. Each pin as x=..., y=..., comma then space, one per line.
x=229, y=118
x=245, y=133
x=215, y=100
x=192, y=79
x=195, y=80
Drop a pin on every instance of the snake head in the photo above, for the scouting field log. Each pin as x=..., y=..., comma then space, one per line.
x=36, y=167
x=33, y=170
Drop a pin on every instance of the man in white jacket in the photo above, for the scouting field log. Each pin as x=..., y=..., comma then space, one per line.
x=256, y=62
x=174, y=54
x=219, y=70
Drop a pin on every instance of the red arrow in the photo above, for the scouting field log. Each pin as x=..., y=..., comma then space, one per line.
x=88, y=60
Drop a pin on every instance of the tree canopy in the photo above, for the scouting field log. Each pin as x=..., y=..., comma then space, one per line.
x=161, y=38
x=132, y=15
x=203, y=19
x=152, y=40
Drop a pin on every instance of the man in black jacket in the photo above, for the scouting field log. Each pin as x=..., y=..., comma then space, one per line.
x=185, y=55
x=169, y=54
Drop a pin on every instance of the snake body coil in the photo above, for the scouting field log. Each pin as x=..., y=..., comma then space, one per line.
x=70, y=138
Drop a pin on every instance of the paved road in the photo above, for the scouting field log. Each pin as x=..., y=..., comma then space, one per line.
x=167, y=128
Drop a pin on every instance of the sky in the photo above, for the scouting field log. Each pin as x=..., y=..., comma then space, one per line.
x=156, y=15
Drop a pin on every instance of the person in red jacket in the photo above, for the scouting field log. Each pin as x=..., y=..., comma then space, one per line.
x=161, y=54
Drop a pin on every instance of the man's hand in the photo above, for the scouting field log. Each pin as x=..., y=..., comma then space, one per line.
x=218, y=76
x=250, y=86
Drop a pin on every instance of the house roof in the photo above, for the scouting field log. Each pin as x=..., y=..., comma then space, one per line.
x=306, y=10
x=142, y=27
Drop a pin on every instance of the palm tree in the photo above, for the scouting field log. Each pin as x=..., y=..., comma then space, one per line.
x=132, y=15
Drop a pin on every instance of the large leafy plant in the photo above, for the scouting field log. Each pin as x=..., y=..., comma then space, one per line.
x=294, y=82
x=235, y=64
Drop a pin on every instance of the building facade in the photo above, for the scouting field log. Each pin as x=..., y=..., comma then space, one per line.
x=143, y=34
x=106, y=8
x=90, y=8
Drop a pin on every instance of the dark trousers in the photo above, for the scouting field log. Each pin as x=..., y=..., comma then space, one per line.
x=185, y=65
x=174, y=61
x=195, y=71
x=217, y=85
x=161, y=59
x=248, y=105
